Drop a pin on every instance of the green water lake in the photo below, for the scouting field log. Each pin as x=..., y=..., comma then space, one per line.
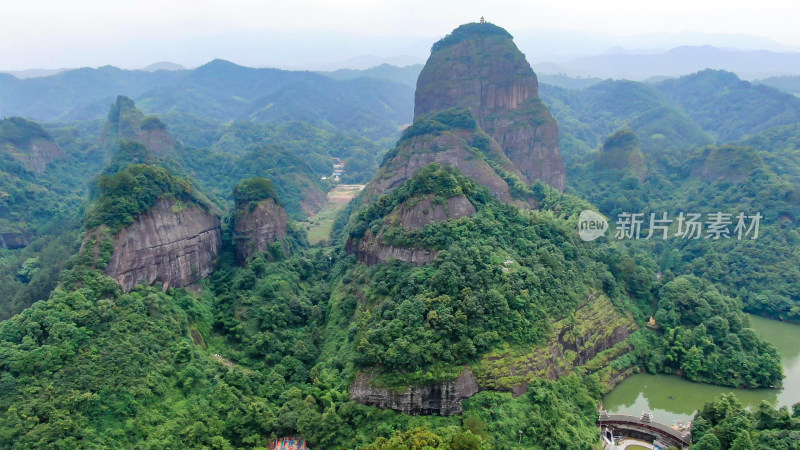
x=670, y=397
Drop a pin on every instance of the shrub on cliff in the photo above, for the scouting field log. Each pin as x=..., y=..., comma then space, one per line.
x=131, y=192
x=252, y=190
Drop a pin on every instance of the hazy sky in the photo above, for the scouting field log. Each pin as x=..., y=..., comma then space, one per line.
x=58, y=33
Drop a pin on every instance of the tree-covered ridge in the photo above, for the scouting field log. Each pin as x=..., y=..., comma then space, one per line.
x=20, y=132
x=728, y=179
x=436, y=123
x=728, y=107
x=133, y=191
x=218, y=91
x=706, y=337
x=441, y=182
x=470, y=31
x=621, y=151
x=252, y=190
x=726, y=424
x=587, y=116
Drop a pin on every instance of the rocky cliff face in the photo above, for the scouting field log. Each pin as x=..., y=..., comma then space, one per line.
x=596, y=327
x=414, y=216
x=479, y=67
x=433, y=398
x=727, y=163
x=472, y=152
x=257, y=227
x=173, y=244
x=28, y=143
x=126, y=122
x=411, y=215
x=15, y=240
x=370, y=250
x=621, y=152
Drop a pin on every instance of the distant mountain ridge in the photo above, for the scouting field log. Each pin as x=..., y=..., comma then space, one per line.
x=219, y=90
x=679, y=61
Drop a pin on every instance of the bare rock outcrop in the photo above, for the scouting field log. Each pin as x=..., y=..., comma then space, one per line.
x=595, y=327
x=433, y=398
x=454, y=148
x=29, y=143
x=126, y=122
x=411, y=215
x=478, y=66
x=257, y=227
x=427, y=210
x=15, y=240
x=172, y=243
x=370, y=250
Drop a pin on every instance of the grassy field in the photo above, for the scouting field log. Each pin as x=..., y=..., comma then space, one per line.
x=320, y=225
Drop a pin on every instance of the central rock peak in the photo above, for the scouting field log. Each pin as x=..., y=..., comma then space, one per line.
x=479, y=67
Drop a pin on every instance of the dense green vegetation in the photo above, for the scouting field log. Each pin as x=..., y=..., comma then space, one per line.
x=219, y=91
x=235, y=366
x=705, y=337
x=728, y=107
x=271, y=349
x=785, y=83
x=42, y=208
x=587, y=116
x=728, y=179
x=470, y=31
x=726, y=424
x=422, y=320
x=253, y=190
x=134, y=190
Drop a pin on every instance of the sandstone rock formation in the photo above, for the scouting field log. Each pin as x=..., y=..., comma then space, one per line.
x=173, y=244
x=411, y=215
x=126, y=122
x=456, y=148
x=727, y=163
x=15, y=240
x=478, y=67
x=621, y=151
x=596, y=327
x=433, y=398
x=28, y=143
x=255, y=229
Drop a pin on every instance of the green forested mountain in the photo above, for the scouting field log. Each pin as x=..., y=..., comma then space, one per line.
x=790, y=84
x=43, y=183
x=220, y=91
x=455, y=305
x=728, y=107
x=588, y=115
x=405, y=75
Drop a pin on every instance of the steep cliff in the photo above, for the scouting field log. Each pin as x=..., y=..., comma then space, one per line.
x=478, y=66
x=172, y=243
x=593, y=336
x=726, y=163
x=450, y=138
x=28, y=143
x=256, y=227
x=442, y=399
x=259, y=218
x=621, y=151
x=411, y=215
x=126, y=122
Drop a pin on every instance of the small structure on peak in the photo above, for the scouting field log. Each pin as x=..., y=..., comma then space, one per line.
x=483, y=20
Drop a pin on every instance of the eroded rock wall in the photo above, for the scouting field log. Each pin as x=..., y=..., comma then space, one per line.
x=173, y=244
